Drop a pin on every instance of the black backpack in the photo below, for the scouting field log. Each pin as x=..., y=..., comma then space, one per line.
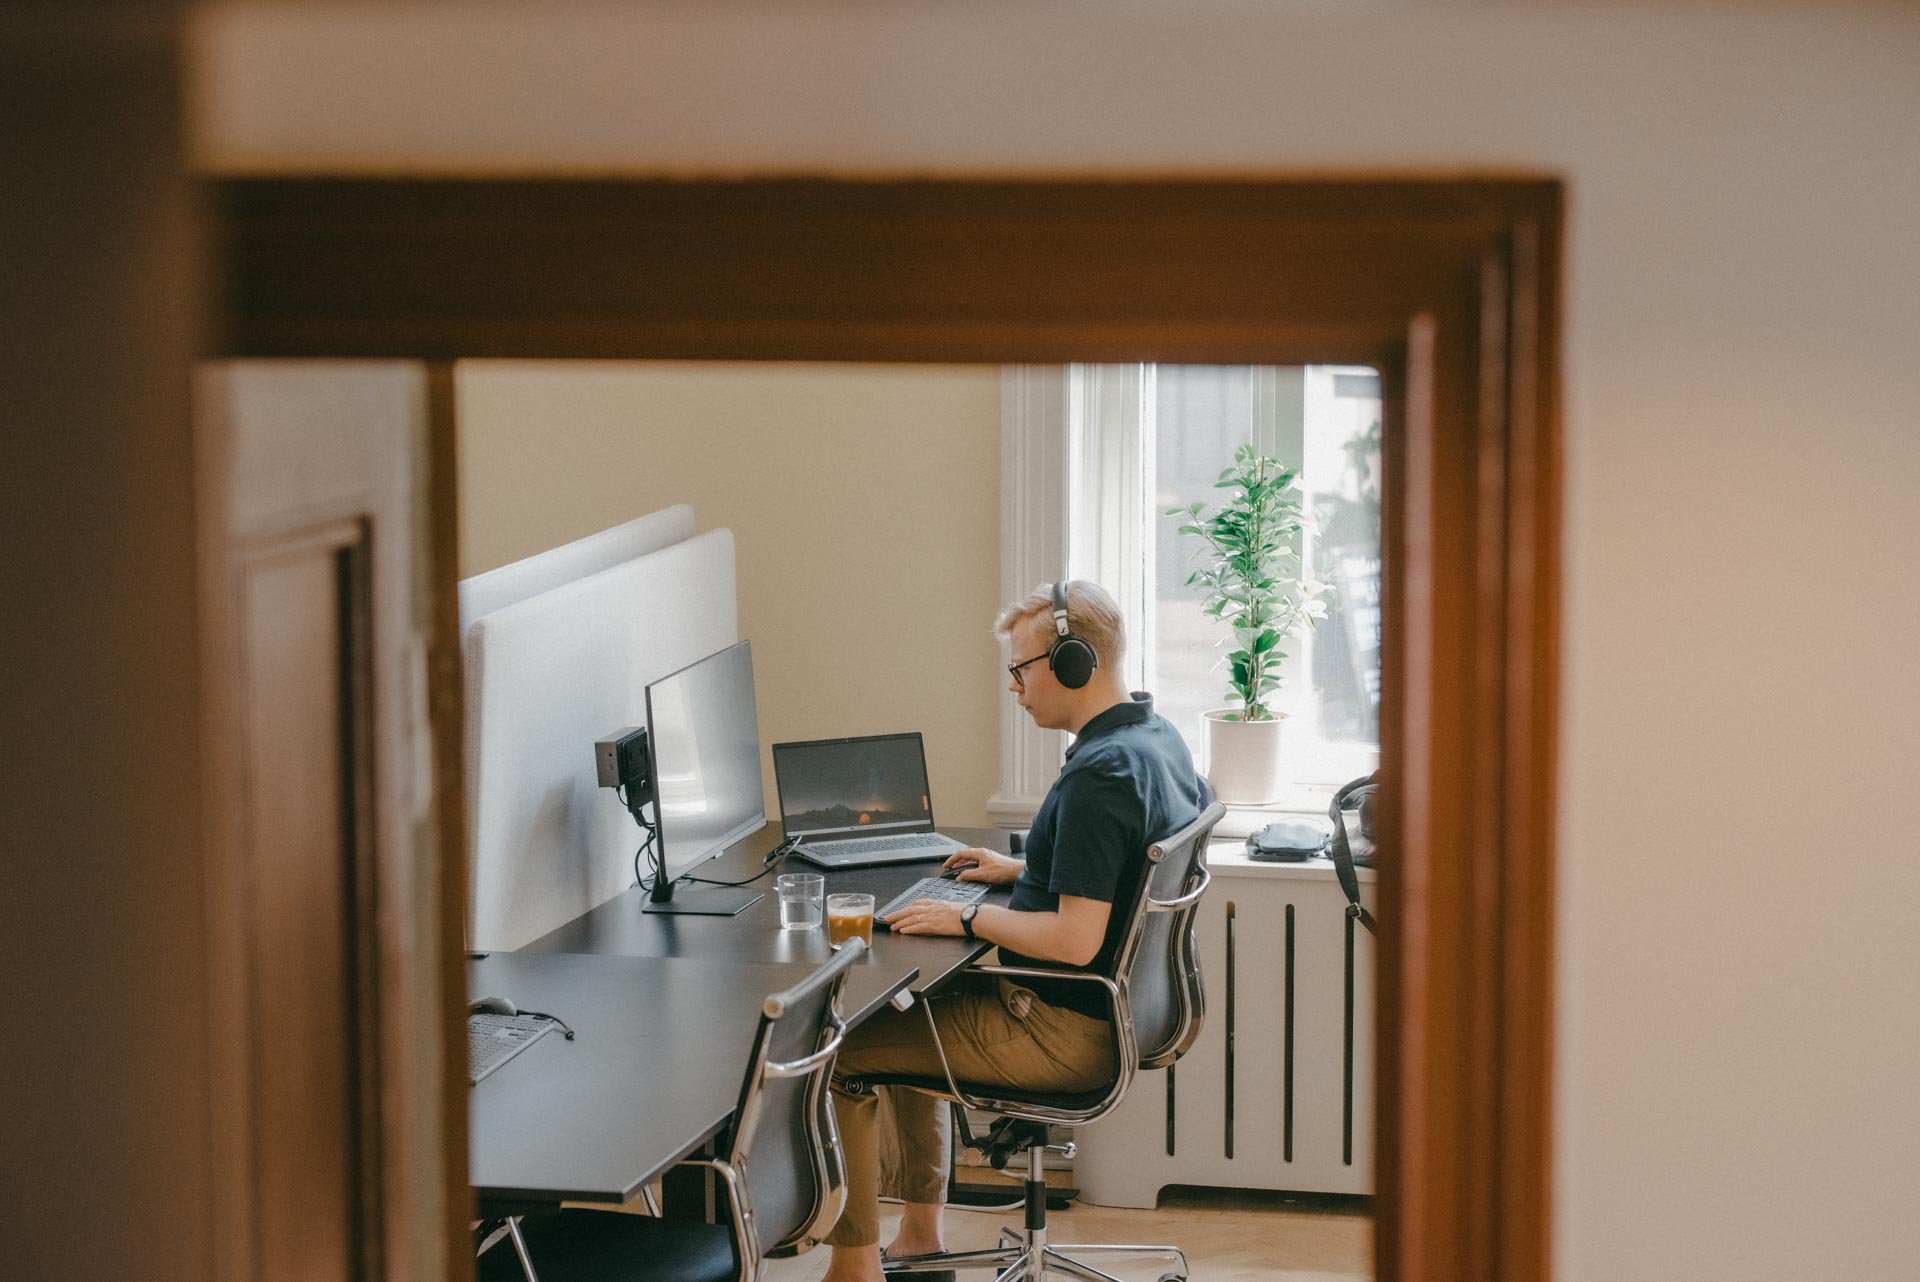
x=1353, y=839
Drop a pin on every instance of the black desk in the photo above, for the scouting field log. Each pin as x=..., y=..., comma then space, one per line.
x=653, y=1074
x=619, y=927
x=665, y=1007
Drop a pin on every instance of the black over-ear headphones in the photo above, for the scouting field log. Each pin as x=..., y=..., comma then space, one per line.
x=1071, y=659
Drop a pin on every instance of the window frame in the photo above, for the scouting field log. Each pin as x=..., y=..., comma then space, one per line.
x=1076, y=490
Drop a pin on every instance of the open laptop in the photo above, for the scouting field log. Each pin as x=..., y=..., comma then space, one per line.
x=857, y=803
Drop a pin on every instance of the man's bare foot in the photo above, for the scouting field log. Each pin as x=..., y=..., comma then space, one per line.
x=918, y=1232
x=904, y=1245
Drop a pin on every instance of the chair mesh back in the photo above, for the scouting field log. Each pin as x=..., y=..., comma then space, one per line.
x=1163, y=979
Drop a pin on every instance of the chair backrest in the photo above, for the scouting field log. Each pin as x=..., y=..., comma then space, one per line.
x=1159, y=962
x=785, y=1143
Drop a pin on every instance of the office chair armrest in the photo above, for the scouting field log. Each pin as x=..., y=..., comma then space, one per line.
x=1122, y=1028
x=1043, y=972
x=739, y=1207
x=801, y=1067
x=1191, y=897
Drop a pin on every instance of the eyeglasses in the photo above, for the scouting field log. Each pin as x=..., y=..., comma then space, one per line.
x=1013, y=669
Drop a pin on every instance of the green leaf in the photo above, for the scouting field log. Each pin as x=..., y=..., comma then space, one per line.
x=1243, y=562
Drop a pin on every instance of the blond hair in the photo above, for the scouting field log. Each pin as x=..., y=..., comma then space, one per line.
x=1092, y=615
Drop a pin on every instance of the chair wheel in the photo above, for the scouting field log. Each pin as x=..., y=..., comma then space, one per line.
x=1173, y=1277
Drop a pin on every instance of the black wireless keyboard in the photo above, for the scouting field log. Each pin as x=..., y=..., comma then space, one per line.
x=957, y=892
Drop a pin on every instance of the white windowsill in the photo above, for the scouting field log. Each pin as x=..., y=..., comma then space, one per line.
x=1301, y=801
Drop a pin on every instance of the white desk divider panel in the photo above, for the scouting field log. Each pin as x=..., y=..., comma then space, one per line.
x=547, y=678
x=530, y=576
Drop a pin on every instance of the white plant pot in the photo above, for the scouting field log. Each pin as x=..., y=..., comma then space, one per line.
x=1242, y=757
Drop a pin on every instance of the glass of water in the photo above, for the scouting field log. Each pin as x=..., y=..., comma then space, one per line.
x=803, y=897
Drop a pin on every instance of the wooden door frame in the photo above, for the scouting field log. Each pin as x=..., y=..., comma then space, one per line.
x=1449, y=286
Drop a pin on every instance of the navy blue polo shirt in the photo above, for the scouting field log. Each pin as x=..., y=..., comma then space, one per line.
x=1128, y=782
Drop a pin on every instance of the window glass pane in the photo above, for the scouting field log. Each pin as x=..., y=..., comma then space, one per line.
x=1202, y=413
x=1325, y=422
x=1343, y=484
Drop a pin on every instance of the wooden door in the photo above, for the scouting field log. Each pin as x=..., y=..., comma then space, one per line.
x=325, y=951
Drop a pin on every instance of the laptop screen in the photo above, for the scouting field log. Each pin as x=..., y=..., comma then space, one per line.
x=845, y=787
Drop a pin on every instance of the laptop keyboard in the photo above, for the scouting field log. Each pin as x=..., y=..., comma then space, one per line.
x=492, y=1040
x=875, y=845
x=957, y=892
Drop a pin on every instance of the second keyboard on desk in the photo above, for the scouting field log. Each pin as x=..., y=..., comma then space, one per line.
x=941, y=888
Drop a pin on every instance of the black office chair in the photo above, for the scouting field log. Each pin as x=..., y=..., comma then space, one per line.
x=1158, y=1005
x=782, y=1173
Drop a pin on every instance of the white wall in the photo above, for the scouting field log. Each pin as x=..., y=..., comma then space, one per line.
x=865, y=510
x=1740, y=869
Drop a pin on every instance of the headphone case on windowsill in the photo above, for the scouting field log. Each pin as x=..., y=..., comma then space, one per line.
x=1290, y=841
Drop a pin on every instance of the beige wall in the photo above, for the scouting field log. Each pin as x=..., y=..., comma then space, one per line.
x=1737, y=1040
x=865, y=506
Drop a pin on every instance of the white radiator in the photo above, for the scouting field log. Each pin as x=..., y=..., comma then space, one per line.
x=1277, y=1093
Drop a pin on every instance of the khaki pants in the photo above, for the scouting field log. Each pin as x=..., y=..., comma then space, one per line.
x=995, y=1033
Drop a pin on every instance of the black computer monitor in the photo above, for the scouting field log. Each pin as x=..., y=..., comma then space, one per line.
x=704, y=737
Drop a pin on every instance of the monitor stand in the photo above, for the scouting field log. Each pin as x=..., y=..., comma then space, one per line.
x=708, y=901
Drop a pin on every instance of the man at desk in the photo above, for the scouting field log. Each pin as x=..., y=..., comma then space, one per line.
x=1128, y=780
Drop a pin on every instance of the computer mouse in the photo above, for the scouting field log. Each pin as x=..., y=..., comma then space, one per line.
x=952, y=874
x=492, y=1006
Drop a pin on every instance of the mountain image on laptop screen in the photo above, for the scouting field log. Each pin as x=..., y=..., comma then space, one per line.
x=876, y=817
x=861, y=785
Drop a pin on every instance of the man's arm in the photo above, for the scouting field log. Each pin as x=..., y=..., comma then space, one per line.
x=1097, y=806
x=1072, y=935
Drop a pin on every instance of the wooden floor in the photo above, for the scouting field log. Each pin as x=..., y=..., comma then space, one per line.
x=1228, y=1237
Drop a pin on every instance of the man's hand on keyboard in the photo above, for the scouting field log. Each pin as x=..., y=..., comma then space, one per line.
x=976, y=863
x=926, y=917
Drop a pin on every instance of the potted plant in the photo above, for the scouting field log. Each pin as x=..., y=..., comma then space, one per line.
x=1250, y=566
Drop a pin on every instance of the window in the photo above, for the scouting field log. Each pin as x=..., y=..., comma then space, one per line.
x=1096, y=454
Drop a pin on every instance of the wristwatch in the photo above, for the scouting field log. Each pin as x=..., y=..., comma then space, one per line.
x=966, y=919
